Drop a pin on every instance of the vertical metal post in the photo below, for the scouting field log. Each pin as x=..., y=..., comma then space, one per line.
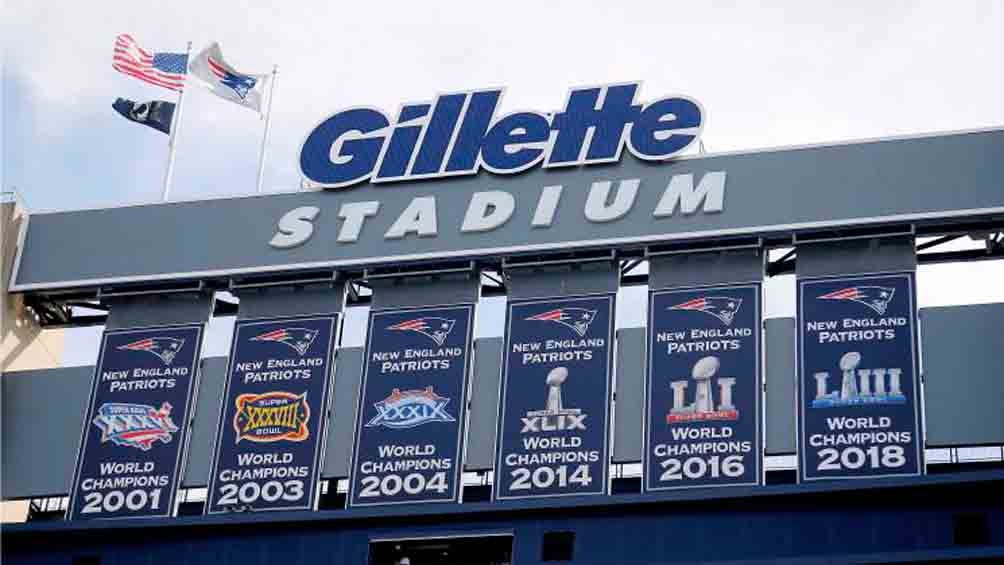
x=172, y=143
x=268, y=126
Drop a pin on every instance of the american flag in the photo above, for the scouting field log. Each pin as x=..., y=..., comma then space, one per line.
x=162, y=69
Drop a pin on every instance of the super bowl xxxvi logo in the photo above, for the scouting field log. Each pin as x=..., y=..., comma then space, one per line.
x=575, y=319
x=410, y=408
x=135, y=425
x=875, y=297
x=272, y=416
x=164, y=348
x=722, y=307
x=436, y=329
x=298, y=339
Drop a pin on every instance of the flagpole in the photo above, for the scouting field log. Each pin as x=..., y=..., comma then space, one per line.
x=268, y=126
x=172, y=143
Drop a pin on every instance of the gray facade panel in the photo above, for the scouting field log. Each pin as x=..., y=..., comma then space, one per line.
x=779, y=344
x=562, y=280
x=280, y=301
x=629, y=404
x=961, y=353
x=860, y=256
x=43, y=416
x=158, y=310
x=212, y=378
x=765, y=192
x=406, y=292
x=484, y=403
x=342, y=415
x=708, y=268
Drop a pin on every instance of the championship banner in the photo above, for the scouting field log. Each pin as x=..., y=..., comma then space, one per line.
x=555, y=404
x=412, y=407
x=702, y=423
x=136, y=428
x=859, y=414
x=272, y=423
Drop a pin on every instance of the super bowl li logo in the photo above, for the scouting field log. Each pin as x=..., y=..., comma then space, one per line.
x=404, y=409
x=135, y=425
x=271, y=416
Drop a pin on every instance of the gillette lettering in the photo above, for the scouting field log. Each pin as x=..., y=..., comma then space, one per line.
x=459, y=134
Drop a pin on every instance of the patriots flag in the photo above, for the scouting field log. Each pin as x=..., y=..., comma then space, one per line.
x=576, y=319
x=226, y=82
x=156, y=114
x=875, y=297
x=436, y=329
x=721, y=307
x=165, y=348
x=299, y=339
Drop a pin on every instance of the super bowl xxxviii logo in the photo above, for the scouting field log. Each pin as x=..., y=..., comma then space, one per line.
x=164, y=348
x=410, y=408
x=272, y=416
x=436, y=329
x=298, y=339
x=875, y=297
x=575, y=319
x=723, y=308
x=135, y=425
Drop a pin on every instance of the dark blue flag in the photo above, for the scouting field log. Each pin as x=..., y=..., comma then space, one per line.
x=156, y=114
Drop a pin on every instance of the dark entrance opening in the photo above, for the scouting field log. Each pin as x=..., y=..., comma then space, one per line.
x=486, y=549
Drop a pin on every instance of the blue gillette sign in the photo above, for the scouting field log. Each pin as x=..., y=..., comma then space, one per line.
x=412, y=407
x=459, y=134
x=702, y=424
x=134, y=436
x=555, y=405
x=858, y=406
x=271, y=429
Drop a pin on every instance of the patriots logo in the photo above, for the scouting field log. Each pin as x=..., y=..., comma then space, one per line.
x=165, y=348
x=240, y=84
x=299, y=339
x=436, y=329
x=721, y=307
x=875, y=297
x=577, y=319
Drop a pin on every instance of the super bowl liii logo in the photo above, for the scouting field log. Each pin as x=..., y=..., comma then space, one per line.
x=272, y=416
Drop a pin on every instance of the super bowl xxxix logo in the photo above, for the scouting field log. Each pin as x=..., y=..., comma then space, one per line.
x=875, y=297
x=299, y=339
x=575, y=319
x=410, y=408
x=135, y=425
x=722, y=307
x=164, y=348
x=272, y=416
x=436, y=329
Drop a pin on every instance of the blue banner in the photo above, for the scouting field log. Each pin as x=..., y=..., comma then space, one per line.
x=859, y=414
x=702, y=423
x=272, y=422
x=412, y=407
x=555, y=403
x=136, y=427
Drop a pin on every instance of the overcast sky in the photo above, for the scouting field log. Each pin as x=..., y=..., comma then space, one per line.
x=767, y=73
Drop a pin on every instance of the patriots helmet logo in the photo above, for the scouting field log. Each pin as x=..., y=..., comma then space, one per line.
x=300, y=339
x=240, y=84
x=722, y=307
x=436, y=329
x=165, y=348
x=576, y=319
x=875, y=297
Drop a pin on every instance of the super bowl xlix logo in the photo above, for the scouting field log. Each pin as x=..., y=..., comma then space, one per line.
x=164, y=348
x=575, y=319
x=410, y=408
x=436, y=329
x=723, y=308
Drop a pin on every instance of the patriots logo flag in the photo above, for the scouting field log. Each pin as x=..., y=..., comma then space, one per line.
x=436, y=329
x=223, y=80
x=721, y=307
x=576, y=319
x=875, y=297
x=299, y=339
x=165, y=348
